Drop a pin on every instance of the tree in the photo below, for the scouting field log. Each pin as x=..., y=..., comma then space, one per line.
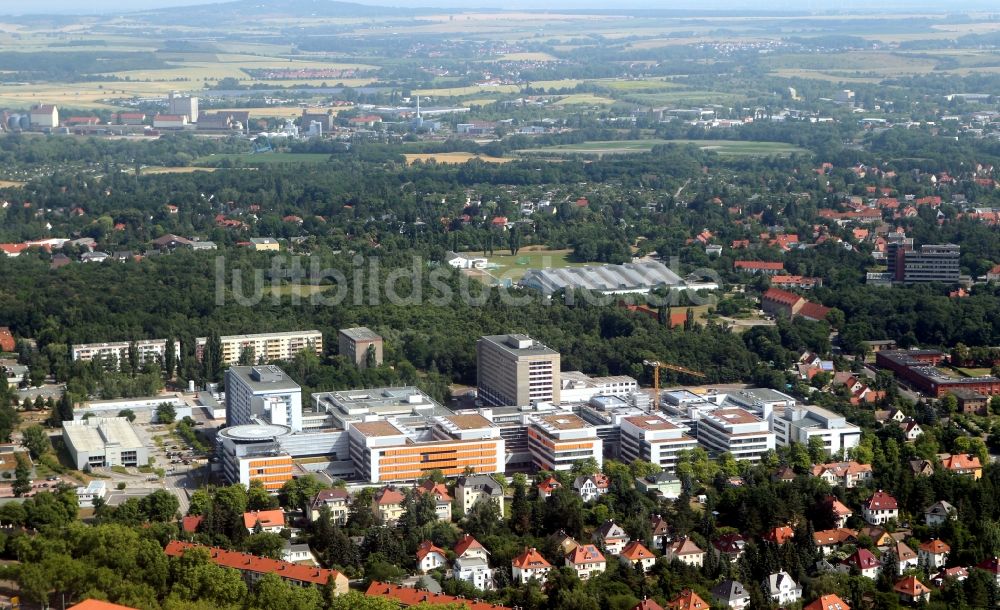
x=9, y=419
x=22, y=475
x=128, y=414
x=161, y=505
x=299, y=491
x=165, y=413
x=995, y=405
x=36, y=440
x=258, y=498
x=264, y=544
x=169, y=359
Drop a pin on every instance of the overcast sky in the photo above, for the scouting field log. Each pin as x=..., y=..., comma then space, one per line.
x=117, y=6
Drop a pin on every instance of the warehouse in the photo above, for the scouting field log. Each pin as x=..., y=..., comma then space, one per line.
x=99, y=442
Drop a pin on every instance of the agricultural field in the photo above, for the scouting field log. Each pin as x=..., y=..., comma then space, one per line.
x=452, y=158
x=154, y=170
x=585, y=99
x=723, y=147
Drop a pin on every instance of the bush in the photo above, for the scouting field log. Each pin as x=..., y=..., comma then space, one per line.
x=121, y=486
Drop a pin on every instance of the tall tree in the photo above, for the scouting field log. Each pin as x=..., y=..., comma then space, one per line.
x=170, y=359
x=22, y=475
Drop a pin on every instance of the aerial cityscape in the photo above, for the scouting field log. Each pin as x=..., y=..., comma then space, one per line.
x=321, y=305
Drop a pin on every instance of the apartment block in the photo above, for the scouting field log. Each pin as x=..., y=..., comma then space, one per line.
x=516, y=370
x=265, y=347
x=256, y=394
x=148, y=350
x=741, y=433
x=360, y=345
x=654, y=439
x=557, y=441
x=931, y=263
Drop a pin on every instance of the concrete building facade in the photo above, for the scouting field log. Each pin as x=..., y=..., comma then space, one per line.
x=256, y=394
x=516, y=370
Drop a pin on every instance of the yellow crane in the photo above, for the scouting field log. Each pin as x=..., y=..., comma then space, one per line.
x=657, y=366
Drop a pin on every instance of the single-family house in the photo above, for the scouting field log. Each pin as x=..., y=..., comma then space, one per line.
x=939, y=512
x=636, y=554
x=659, y=531
x=592, y=487
x=782, y=589
x=865, y=562
x=472, y=563
x=839, y=511
x=912, y=591
x=731, y=594
x=337, y=501
x=730, y=545
x=880, y=508
x=963, y=464
x=933, y=554
x=586, y=560
x=685, y=551
x=612, y=536
x=529, y=564
x=687, y=600
x=473, y=489
x=827, y=602
x=387, y=505
x=549, y=485
x=829, y=541
x=906, y=557
x=442, y=499
x=430, y=557
x=271, y=521
x=991, y=566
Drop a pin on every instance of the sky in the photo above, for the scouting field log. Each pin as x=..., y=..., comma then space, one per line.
x=116, y=6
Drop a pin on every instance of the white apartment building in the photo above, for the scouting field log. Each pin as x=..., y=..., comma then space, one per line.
x=655, y=439
x=801, y=423
x=264, y=347
x=558, y=441
x=148, y=350
x=262, y=394
x=741, y=433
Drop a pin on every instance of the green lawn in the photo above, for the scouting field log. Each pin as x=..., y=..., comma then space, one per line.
x=265, y=158
x=723, y=147
x=971, y=372
x=514, y=267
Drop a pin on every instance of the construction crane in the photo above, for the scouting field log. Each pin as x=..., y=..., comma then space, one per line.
x=657, y=366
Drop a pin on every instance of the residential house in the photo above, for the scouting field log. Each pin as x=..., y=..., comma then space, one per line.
x=529, y=564
x=336, y=500
x=779, y=535
x=687, y=600
x=265, y=244
x=546, y=487
x=636, y=554
x=911, y=429
x=387, y=505
x=471, y=490
x=659, y=531
x=922, y=468
x=827, y=602
x=730, y=545
x=297, y=553
x=829, y=541
x=592, y=487
x=957, y=573
x=586, y=561
x=847, y=474
x=880, y=508
x=563, y=541
x=912, y=591
x=253, y=568
x=839, y=511
x=906, y=557
x=472, y=563
x=442, y=499
x=409, y=596
x=760, y=267
x=270, y=521
x=612, y=536
x=939, y=512
x=685, y=551
x=782, y=589
x=731, y=594
x=963, y=464
x=647, y=604
x=933, y=554
x=865, y=562
x=430, y=557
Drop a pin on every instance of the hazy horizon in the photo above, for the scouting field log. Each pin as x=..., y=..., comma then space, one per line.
x=116, y=6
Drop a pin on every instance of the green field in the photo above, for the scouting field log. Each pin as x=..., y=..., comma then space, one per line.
x=266, y=158
x=723, y=147
x=504, y=266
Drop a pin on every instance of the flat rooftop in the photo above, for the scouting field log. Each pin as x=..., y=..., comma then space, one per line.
x=734, y=416
x=373, y=429
x=469, y=422
x=602, y=278
x=563, y=421
x=650, y=423
x=519, y=345
x=265, y=378
x=360, y=333
x=95, y=433
x=281, y=335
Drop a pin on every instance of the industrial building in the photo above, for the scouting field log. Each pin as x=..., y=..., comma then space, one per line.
x=101, y=442
x=183, y=105
x=630, y=278
x=516, y=370
x=360, y=345
x=256, y=394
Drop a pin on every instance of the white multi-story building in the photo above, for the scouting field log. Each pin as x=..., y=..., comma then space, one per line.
x=880, y=508
x=782, y=589
x=262, y=394
x=654, y=439
x=150, y=350
x=558, y=441
x=183, y=105
x=264, y=347
x=253, y=453
x=472, y=563
x=801, y=423
x=578, y=387
x=44, y=116
x=741, y=433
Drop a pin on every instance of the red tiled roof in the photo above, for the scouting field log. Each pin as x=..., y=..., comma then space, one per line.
x=585, y=553
x=763, y=265
x=426, y=548
x=961, y=461
x=863, y=559
x=910, y=586
x=814, y=311
x=827, y=602
x=687, y=600
x=266, y=518
x=96, y=604
x=408, y=596
x=440, y=490
x=935, y=547
x=530, y=558
x=636, y=551
x=647, y=604
x=252, y=563
x=388, y=496
x=781, y=296
x=190, y=523
x=465, y=543
x=881, y=501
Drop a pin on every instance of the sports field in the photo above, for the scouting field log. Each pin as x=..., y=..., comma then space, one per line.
x=503, y=266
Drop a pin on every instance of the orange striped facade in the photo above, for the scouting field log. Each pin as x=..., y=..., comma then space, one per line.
x=452, y=459
x=273, y=472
